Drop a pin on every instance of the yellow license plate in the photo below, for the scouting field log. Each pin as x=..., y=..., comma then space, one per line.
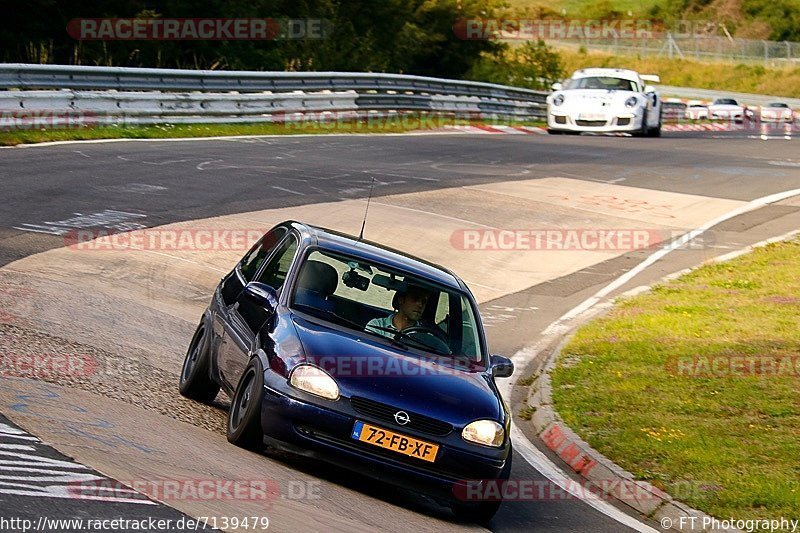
x=390, y=440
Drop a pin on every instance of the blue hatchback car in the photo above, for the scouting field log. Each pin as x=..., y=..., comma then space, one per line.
x=305, y=336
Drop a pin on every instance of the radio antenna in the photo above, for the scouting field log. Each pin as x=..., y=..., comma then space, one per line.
x=364, y=222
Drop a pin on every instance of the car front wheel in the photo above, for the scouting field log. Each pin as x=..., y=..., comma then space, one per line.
x=655, y=132
x=244, y=416
x=195, y=381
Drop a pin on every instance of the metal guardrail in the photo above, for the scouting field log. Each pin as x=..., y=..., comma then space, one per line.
x=171, y=95
x=117, y=95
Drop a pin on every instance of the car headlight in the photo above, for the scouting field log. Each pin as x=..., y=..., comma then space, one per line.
x=631, y=102
x=558, y=100
x=314, y=380
x=486, y=432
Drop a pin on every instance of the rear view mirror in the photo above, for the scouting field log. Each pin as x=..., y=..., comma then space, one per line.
x=354, y=280
x=556, y=86
x=649, y=89
x=390, y=284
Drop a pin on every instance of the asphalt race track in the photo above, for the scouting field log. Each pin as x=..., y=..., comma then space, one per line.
x=680, y=181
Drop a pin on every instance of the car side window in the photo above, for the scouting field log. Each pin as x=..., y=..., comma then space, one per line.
x=276, y=270
x=259, y=252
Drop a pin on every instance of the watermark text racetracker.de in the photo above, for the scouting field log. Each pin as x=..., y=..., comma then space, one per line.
x=194, y=29
x=46, y=119
x=348, y=120
x=196, y=489
x=527, y=29
x=732, y=366
x=163, y=239
x=59, y=366
x=564, y=239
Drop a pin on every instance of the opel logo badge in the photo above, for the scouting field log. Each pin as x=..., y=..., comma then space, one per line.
x=401, y=417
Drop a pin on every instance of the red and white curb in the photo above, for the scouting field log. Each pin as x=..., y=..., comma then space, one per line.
x=499, y=129
x=705, y=126
x=527, y=130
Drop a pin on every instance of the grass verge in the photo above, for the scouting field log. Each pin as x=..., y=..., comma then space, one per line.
x=677, y=385
x=399, y=124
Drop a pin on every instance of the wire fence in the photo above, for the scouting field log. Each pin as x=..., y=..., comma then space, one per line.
x=769, y=53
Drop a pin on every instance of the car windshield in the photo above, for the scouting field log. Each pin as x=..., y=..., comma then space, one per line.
x=601, y=82
x=365, y=296
x=725, y=101
x=778, y=105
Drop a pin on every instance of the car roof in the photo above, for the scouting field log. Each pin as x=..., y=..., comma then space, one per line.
x=350, y=245
x=613, y=72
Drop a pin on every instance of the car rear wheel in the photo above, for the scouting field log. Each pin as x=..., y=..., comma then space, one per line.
x=482, y=512
x=195, y=381
x=244, y=416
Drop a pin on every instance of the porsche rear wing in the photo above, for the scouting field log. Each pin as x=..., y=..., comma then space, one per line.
x=652, y=78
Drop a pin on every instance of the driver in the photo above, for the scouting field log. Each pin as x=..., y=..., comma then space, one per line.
x=409, y=306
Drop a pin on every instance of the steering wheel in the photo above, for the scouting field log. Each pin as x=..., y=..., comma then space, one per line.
x=437, y=333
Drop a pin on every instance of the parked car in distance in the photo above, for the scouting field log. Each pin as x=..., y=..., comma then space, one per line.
x=729, y=109
x=696, y=110
x=776, y=112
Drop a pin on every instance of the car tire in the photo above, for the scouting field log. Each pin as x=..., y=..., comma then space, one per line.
x=643, y=131
x=655, y=132
x=483, y=512
x=195, y=380
x=244, y=416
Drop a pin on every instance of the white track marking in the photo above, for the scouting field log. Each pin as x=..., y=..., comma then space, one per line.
x=456, y=219
x=526, y=449
x=548, y=469
x=288, y=190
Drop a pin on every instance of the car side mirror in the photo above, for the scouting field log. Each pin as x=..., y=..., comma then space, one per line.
x=501, y=366
x=260, y=294
x=649, y=89
x=556, y=86
x=257, y=303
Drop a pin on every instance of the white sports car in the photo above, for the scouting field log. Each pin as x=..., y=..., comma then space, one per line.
x=605, y=100
x=776, y=112
x=729, y=109
x=696, y=110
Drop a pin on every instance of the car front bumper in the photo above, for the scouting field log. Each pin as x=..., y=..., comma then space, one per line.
x=305, y=428
x=569, y=121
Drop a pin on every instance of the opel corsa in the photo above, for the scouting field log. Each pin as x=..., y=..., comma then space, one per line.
x=286, y=336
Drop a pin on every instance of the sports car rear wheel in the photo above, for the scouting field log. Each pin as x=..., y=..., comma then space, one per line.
x=244, y=416
x=195, y=381
x=484, y=511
